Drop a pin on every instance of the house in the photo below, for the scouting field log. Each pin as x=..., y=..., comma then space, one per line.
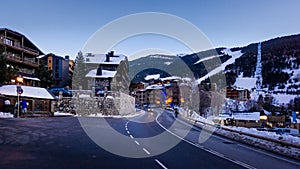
x=237, y=93
x=159, y=91
x=20, y=52
x=39, y=99
x=61, y=69
x=107, y=72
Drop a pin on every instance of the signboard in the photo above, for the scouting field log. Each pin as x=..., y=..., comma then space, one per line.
x=19, y=90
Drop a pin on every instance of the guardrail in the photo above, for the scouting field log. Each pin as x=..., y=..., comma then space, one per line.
x=281, y=142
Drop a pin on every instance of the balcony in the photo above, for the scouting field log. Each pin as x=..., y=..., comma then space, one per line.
x=17, y=46
x=25, y=60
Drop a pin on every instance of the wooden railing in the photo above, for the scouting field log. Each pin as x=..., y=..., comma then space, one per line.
x=20, y=47
x=25, y=60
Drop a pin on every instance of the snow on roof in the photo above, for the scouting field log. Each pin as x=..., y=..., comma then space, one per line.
x=28, y=91
x=170, y=78
x=100, y=58
x=150, y=77
x=245, y=82
x=105, y=74
x=31, y=78
x=235, y=55
x=252, y=116
x=154, y=87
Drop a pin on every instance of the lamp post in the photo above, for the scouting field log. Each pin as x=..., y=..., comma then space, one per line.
x=19, y=81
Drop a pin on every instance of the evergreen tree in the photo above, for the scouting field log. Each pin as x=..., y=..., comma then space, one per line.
x=6, y=71
x=79, y=72
x=44, y=75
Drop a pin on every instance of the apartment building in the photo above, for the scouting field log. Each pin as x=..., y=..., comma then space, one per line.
x=21, y=53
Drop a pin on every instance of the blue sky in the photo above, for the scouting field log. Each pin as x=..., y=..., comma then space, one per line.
x=63, y=26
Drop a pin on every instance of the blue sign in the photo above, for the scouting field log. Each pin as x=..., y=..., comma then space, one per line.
x=294, y=116
x=19, y=90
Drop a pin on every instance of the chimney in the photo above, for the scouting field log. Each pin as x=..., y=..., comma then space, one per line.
x=99, y=71
x=107, y=57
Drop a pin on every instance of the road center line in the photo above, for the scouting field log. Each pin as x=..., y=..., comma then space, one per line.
x=137, y=142
x=128, y=132
x=161, y=164
x=146, y=151
x=131, y=136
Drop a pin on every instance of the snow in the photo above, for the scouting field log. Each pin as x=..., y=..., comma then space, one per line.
x=62, y=114
x=105, y=74
x=6, y=115
x=150, y=77
x=162, y=57
x=154, y=87
x=168, y=63
x=100, y=58
x=207, y=58
x=251, y=116
x=234, y=55
x=28, y=91
x=170, y=78
x=31, y=78
x=283, y=98
x=245, y=82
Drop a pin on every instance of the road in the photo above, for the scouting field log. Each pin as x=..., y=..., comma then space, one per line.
x=138, y=142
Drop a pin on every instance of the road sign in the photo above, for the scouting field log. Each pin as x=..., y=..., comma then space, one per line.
x=19, y=90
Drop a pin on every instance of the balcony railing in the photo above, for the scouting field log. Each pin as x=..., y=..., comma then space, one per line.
x=19, y=47
x=24, y=60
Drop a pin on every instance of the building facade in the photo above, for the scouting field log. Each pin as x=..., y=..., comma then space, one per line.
x=61, y=69
x=21, y=53
x=107, y=72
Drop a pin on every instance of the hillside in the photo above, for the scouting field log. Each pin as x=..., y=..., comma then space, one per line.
x=280, y=59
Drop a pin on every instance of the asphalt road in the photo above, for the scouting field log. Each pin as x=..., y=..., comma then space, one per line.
x=139, y=142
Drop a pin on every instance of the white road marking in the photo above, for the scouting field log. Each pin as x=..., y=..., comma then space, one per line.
x=203, y=148
x=128, y=132
x=215, y=153
x=161, y=164
x=131, y=136
x=146, y=151
x=244, y=165
x=137, y=142
x=271, y=155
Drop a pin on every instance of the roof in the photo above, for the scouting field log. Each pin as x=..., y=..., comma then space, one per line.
x=19, y=34
x=155, y=87
x=150, y=77
x=171, y=78
x=100, y=58
x=28, y=91
x=251, y=116
x=105, y=74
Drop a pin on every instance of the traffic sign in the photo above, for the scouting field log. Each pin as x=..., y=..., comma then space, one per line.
x=19, y=90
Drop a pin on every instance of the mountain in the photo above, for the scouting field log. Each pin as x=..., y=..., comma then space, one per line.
x=191, y=65
x=280, y=60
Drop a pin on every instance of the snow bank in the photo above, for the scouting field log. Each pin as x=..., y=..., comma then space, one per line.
x=63, y=114
x=6, y=115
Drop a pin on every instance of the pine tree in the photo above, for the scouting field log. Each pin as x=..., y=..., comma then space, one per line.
x=79, y=72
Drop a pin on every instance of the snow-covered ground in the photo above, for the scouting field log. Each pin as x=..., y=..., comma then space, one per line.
x=62, y=114
x=249, y=135
x=245, y=82
x=6, y=115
